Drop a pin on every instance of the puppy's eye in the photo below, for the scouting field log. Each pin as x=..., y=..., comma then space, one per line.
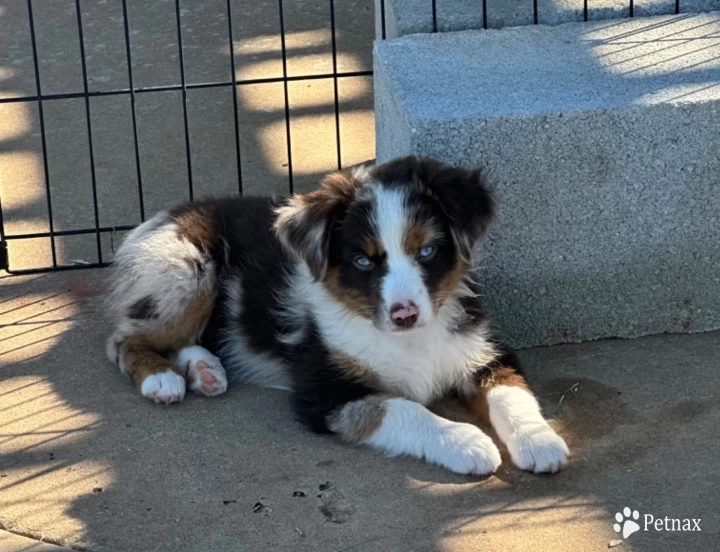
x=426, y=253
x=362, y=262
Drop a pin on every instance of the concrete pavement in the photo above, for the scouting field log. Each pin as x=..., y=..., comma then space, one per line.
x=88, y=463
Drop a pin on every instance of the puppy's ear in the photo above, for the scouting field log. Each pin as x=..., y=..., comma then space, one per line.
x=465, y=198
x=305, y=221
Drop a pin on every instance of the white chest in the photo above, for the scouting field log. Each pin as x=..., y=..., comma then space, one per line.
x=420, y=365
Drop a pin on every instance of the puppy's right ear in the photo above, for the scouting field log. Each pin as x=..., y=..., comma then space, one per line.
x=304, y=222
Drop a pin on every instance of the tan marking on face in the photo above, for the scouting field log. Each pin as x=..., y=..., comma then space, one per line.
x=449, y=283
x=417, y=237
x=351, y=299
x=372, y=247
x=358, y=420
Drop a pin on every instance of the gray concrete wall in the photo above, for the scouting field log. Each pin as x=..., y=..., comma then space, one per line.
x=404, y=17
x=602, y=142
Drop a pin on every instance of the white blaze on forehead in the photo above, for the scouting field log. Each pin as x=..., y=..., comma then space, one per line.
x=391, y=219
x=403, y=281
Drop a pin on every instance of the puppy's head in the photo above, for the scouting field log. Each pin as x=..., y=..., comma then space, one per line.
x=394, y=242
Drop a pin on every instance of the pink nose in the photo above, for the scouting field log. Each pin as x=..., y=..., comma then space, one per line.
x=404, y=314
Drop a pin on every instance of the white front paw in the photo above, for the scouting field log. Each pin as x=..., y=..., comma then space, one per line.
x=464, y=448
x=538, y=448
x=168, y=387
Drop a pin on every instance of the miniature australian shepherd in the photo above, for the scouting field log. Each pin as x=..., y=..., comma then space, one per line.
x=361, y=298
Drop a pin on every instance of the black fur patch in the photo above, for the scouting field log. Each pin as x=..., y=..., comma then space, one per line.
x=462, y=194
x=319, y=387
x=144, y=309
x=473, y=307
x=255, y=255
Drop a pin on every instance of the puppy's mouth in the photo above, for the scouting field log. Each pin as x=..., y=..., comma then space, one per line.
x=399, y=330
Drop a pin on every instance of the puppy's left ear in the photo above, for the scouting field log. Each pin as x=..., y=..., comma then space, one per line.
x=304, y=223
x=465, y=198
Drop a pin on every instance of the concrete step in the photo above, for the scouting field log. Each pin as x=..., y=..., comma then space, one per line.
x=404, y=17
x=603, y=140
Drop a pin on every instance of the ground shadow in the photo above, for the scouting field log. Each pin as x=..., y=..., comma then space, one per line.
x=96, y=465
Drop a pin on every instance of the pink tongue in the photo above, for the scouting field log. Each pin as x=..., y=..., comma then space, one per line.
x=404, y=312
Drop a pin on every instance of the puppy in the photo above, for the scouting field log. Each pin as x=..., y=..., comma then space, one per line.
x=361, y=298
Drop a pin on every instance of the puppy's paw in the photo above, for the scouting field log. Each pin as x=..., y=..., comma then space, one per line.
x=205, y=373
x=539, y=449
x=167, y=387
x=464, y=448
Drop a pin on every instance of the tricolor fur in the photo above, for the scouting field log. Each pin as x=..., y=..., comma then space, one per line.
x=361, y=298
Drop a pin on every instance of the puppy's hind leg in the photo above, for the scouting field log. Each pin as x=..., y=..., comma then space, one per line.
x=203, y=370
x=158, y=353
x=163, y=295
x=154, y=375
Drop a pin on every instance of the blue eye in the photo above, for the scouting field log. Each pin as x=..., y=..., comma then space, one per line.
x=426, y=252
x=362, y=262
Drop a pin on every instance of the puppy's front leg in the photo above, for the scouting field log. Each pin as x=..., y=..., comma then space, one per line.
x=399, y=426
x=514, y=412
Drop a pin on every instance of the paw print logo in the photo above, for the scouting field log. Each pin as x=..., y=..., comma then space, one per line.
x=624, y=522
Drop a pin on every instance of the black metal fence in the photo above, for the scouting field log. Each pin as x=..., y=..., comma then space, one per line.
x=40, y=99
x=483, y=5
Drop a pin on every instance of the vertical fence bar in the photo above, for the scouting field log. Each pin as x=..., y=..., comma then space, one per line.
x=335, y=84
x=43, y=138
x=535, y=12
x=585, y=10
x=231, y=40
x=632, y=8
x=131, y=85
x=4, y=254
x=484, y=13
x=434, y=15
x=287, y=96
x=382, y=19
x=184, y=99
x=677, y=7
x=2, y=222
x=91, y=152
